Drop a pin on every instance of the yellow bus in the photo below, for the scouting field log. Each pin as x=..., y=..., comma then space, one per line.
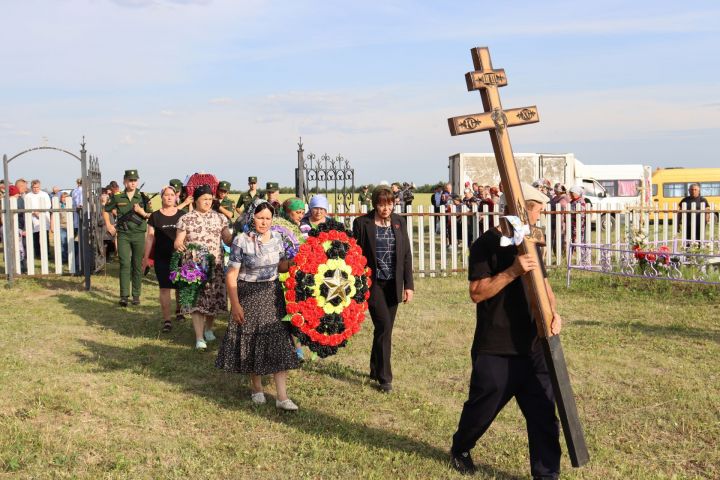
x=670, y=185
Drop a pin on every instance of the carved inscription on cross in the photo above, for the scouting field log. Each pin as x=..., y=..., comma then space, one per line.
x=496, y=121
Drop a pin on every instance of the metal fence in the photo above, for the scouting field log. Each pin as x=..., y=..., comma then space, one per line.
x=441, y=241
x=60, y=244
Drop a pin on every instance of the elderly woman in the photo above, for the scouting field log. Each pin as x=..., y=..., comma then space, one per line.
x=317, y=213
x=257, y=341
x=161, y=235
x=205, y=227
x=293, y=210
x=577, y=204
x=383, y=237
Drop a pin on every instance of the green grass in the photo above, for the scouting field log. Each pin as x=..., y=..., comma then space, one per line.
x=89, y=390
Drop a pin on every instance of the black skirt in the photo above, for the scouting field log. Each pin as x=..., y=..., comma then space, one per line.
x=162, y=272
x=262, y=344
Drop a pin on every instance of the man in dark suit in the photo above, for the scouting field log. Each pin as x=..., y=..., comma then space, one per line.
x=383, y=237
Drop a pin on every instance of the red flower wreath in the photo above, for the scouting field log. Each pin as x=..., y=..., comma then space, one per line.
x=327, y=289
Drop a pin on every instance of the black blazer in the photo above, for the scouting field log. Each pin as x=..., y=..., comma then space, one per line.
x=364, y=232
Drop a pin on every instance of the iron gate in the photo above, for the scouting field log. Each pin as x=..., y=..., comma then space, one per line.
x=333, y=177
x=90, y=221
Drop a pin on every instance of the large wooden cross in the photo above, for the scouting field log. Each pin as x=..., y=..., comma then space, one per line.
x=496, y=120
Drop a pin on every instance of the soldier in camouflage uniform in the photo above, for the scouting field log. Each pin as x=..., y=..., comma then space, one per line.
x=221, y=202
x=183, y=199
x=133, y=209
x=246, y=198
x=272, y=195
x=365, y=198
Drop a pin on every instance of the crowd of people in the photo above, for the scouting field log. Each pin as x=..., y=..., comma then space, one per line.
x=31, y=196
x=257, y=342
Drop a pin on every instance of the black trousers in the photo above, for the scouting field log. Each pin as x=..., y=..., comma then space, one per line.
x=36, y=244
x=383, y=306
x=495, y=379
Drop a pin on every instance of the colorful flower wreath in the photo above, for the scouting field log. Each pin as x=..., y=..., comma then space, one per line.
x=291, y=243
x=190, y=271
x=327, y=289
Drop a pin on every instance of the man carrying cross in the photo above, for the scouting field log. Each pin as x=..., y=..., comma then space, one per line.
x=517, y=350
x=507, y=359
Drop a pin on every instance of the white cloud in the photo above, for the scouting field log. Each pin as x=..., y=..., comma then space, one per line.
x=134, y=124
x=128, y=140
x=167, y=113
x=221, y=101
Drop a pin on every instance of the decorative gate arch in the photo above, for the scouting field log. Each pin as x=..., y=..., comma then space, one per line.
x=92, y=253
x=333, y=177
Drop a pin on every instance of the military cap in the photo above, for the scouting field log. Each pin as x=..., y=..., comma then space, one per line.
x=252, y=179
x=131, y=175
x=176, y=184
x=223, y=185
x=271, y=186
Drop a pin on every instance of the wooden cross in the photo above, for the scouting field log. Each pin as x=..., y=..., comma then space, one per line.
x=496, y=120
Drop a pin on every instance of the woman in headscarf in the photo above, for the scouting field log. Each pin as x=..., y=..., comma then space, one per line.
x=318, y=212
x=205, y=227
x=577, y=204
x=257, y=341
x=293, y=210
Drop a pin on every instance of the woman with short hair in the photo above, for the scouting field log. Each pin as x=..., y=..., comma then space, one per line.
x=161, y=234
x=205, y=227
x=383, y=237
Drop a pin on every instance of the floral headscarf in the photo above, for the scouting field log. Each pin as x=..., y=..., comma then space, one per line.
x=249, y=227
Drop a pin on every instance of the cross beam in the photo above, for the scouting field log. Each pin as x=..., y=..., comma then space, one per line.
x=496, y=121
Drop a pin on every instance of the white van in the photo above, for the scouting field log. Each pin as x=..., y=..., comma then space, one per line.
x=626, y=185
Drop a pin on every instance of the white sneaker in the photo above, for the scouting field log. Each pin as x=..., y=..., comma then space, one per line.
x=258, y=398
x=209, y=336
x=200, y=345
x=288, y=405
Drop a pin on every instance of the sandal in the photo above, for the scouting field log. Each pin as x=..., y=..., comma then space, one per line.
x=167, y=326
x=179, y=317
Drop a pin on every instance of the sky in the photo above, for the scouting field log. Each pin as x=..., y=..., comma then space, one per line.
x=172, y=87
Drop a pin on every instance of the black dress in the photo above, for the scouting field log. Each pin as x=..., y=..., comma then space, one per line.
x=165, y=232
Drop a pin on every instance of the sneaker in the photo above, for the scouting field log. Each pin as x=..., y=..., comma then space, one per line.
x=462, y=463
x=209, y=336
x=287, y=405
x=136, y=301
x=123, y=301
x=258, y=398
x=200, y=345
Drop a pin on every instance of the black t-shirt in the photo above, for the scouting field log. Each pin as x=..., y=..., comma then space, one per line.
x=165, y=231
x=697, y=203
x=505, y=325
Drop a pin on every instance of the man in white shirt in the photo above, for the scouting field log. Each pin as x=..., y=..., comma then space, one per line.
x=77, y=201
x=36, y=198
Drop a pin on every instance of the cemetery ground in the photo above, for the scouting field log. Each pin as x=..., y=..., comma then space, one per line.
x=90, y=390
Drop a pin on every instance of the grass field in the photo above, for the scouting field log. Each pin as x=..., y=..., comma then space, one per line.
x=89, y=390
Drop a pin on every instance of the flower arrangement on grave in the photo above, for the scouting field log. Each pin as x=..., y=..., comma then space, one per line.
x=646, y=256
x=190, y=271
x=327, y=289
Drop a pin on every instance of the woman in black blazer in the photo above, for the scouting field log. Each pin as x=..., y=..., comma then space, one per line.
x=383, y=237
